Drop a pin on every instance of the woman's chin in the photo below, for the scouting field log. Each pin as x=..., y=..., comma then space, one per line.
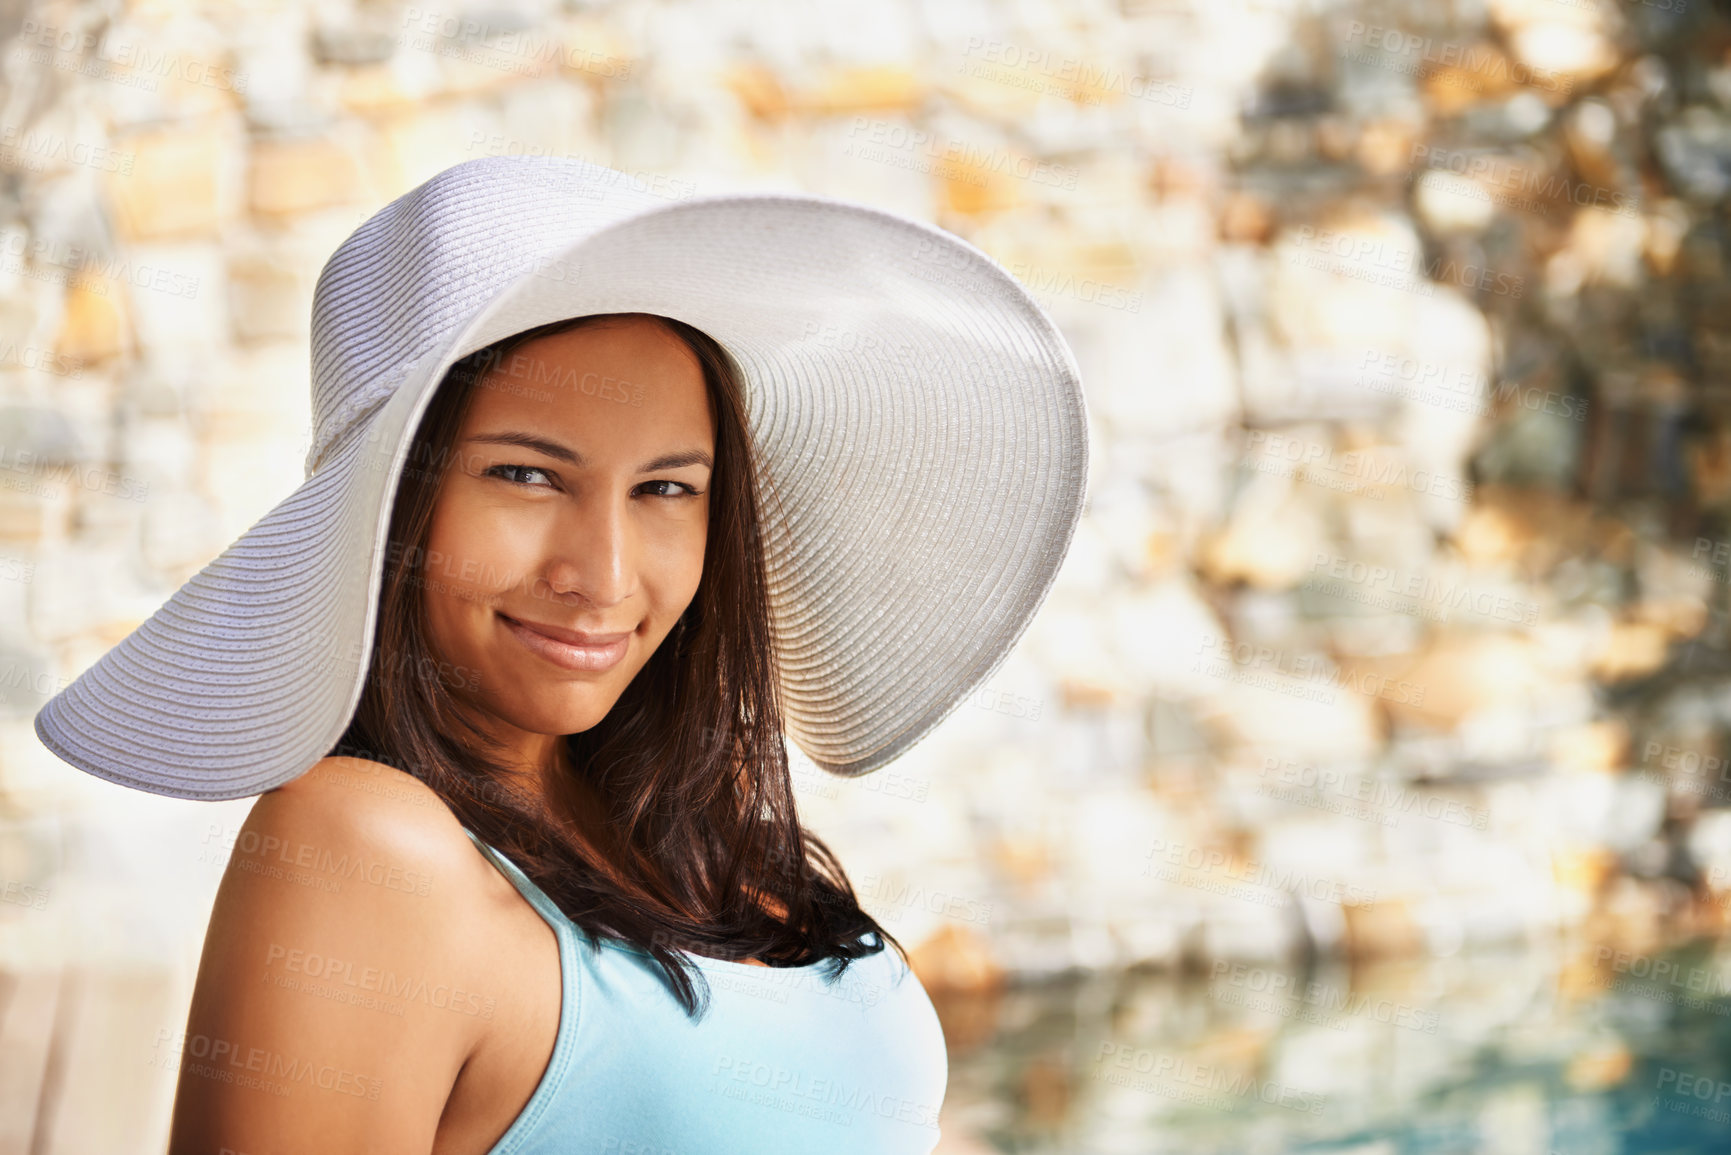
x=564, y=718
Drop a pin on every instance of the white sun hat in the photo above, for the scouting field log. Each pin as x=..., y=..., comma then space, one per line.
x=917, y=413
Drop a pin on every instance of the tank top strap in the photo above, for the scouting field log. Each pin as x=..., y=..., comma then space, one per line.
x=537, y=898
x=570, y=997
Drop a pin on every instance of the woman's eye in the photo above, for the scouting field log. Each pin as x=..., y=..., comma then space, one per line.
x=503, y=472
x=520, y=475
x=689, y=492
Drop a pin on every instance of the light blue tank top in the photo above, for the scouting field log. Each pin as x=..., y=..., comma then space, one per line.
x=784, y=1061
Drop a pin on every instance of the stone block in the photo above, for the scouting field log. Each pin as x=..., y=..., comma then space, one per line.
x=294, y=175
x=182, y=183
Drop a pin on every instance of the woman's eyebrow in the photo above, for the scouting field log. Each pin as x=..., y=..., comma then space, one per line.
x=570, y=456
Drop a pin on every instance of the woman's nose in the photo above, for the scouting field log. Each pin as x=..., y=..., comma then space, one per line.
x=593, y=551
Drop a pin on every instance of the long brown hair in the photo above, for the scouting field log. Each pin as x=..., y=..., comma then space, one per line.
x=689, y=763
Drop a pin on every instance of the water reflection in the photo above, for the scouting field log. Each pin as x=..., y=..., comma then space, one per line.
x=1562, y=1049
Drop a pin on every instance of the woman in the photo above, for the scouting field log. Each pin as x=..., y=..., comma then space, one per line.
x=610, y=552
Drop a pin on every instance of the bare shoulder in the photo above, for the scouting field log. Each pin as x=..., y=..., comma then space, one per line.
x=369, y=804
x=341, y=990
x=370, y=798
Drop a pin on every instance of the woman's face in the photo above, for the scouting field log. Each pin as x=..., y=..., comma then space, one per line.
x=574, y=510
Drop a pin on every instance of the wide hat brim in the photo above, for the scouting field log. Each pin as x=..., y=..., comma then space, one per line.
x=919, y=418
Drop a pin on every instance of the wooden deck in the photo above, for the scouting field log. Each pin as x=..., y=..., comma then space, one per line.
x=79, y=1067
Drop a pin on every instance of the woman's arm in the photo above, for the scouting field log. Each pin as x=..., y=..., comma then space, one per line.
x=323, y=1016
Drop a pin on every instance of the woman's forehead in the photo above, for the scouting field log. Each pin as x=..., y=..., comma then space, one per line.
x=598, y=394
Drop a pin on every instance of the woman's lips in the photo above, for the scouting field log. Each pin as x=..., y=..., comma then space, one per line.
x=602, y=653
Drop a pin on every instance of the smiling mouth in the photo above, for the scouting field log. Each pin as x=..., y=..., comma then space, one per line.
x=569, y=649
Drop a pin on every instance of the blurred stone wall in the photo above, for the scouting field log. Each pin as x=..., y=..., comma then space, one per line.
x=1397, y=620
